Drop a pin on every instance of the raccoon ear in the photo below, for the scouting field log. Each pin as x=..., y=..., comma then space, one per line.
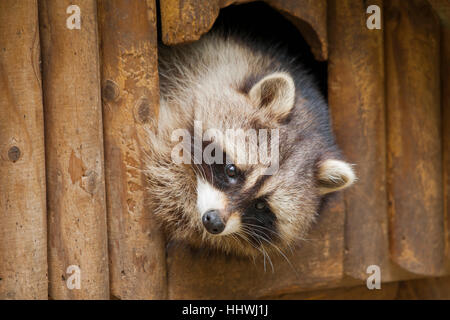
x=274, y=93
x=335, y=175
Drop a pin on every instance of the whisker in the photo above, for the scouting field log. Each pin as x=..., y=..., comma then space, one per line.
x=263, y=228
x=265, y=253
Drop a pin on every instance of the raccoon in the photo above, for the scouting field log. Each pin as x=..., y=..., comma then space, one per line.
x=227, y=81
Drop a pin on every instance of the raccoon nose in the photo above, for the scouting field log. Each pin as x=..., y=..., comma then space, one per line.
x=213, y=222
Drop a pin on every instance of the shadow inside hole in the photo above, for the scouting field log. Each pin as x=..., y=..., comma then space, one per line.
x=259, y=21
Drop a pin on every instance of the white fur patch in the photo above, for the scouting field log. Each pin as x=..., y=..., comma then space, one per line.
x=335, y=175
x=209, y=198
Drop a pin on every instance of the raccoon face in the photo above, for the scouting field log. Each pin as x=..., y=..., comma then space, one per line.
x=243, y=206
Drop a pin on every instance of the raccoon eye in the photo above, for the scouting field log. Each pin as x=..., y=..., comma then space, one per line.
x=230, y=170
x=260, y=205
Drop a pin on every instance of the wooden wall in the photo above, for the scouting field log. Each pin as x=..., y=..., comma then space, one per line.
x=23, y=226
x=73, y=106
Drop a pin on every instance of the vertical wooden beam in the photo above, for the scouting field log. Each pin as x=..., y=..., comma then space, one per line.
x=442, y=9
x=130, y=101
x=414, y=136
x=23, y=230
x=74, y=151
x=445, y=82
x=357, y=106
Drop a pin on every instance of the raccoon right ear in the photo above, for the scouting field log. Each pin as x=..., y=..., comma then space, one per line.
x=334, y=175
x=274, y=93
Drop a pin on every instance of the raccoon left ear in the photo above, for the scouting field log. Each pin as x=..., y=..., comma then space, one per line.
x=274, y=93
x=335, y=175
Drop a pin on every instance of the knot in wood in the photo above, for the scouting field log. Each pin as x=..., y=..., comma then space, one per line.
x=14, y=153
x=110, y=90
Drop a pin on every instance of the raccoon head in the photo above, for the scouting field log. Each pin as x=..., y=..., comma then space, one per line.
x=255, y=206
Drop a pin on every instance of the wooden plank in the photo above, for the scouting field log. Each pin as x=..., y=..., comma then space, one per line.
x=429, y=288
x=23, y=230
x=184, y=21
x=414, y=136
x=424, y=289
x=388, y=291
x=187, y=21
x=442, y=9
x=357, y=105
x=314, y=263
x=74, y=152
x=130, y=101
x=445, y=96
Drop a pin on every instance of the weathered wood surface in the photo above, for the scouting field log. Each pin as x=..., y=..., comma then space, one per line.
x=388, y=291
x=187, y=20
x=445, y=96
x=414, y=136
x=424, y=289
x=130, y=100
x=442, y=9
x=74, y=151
x=310, y=17
x=315, y=264
x=23, y=230
x=357, y=105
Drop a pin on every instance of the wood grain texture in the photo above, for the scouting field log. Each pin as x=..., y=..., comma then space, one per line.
x=445, y=96
x=388, y=291
x=442, y=9
x=23, y=230
x=310, y=17
x=424, y=289
x=414, y=136
x=130, y=100
x=357, y=105
x=185, y=21
x=74, y=151
x=315, y=263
